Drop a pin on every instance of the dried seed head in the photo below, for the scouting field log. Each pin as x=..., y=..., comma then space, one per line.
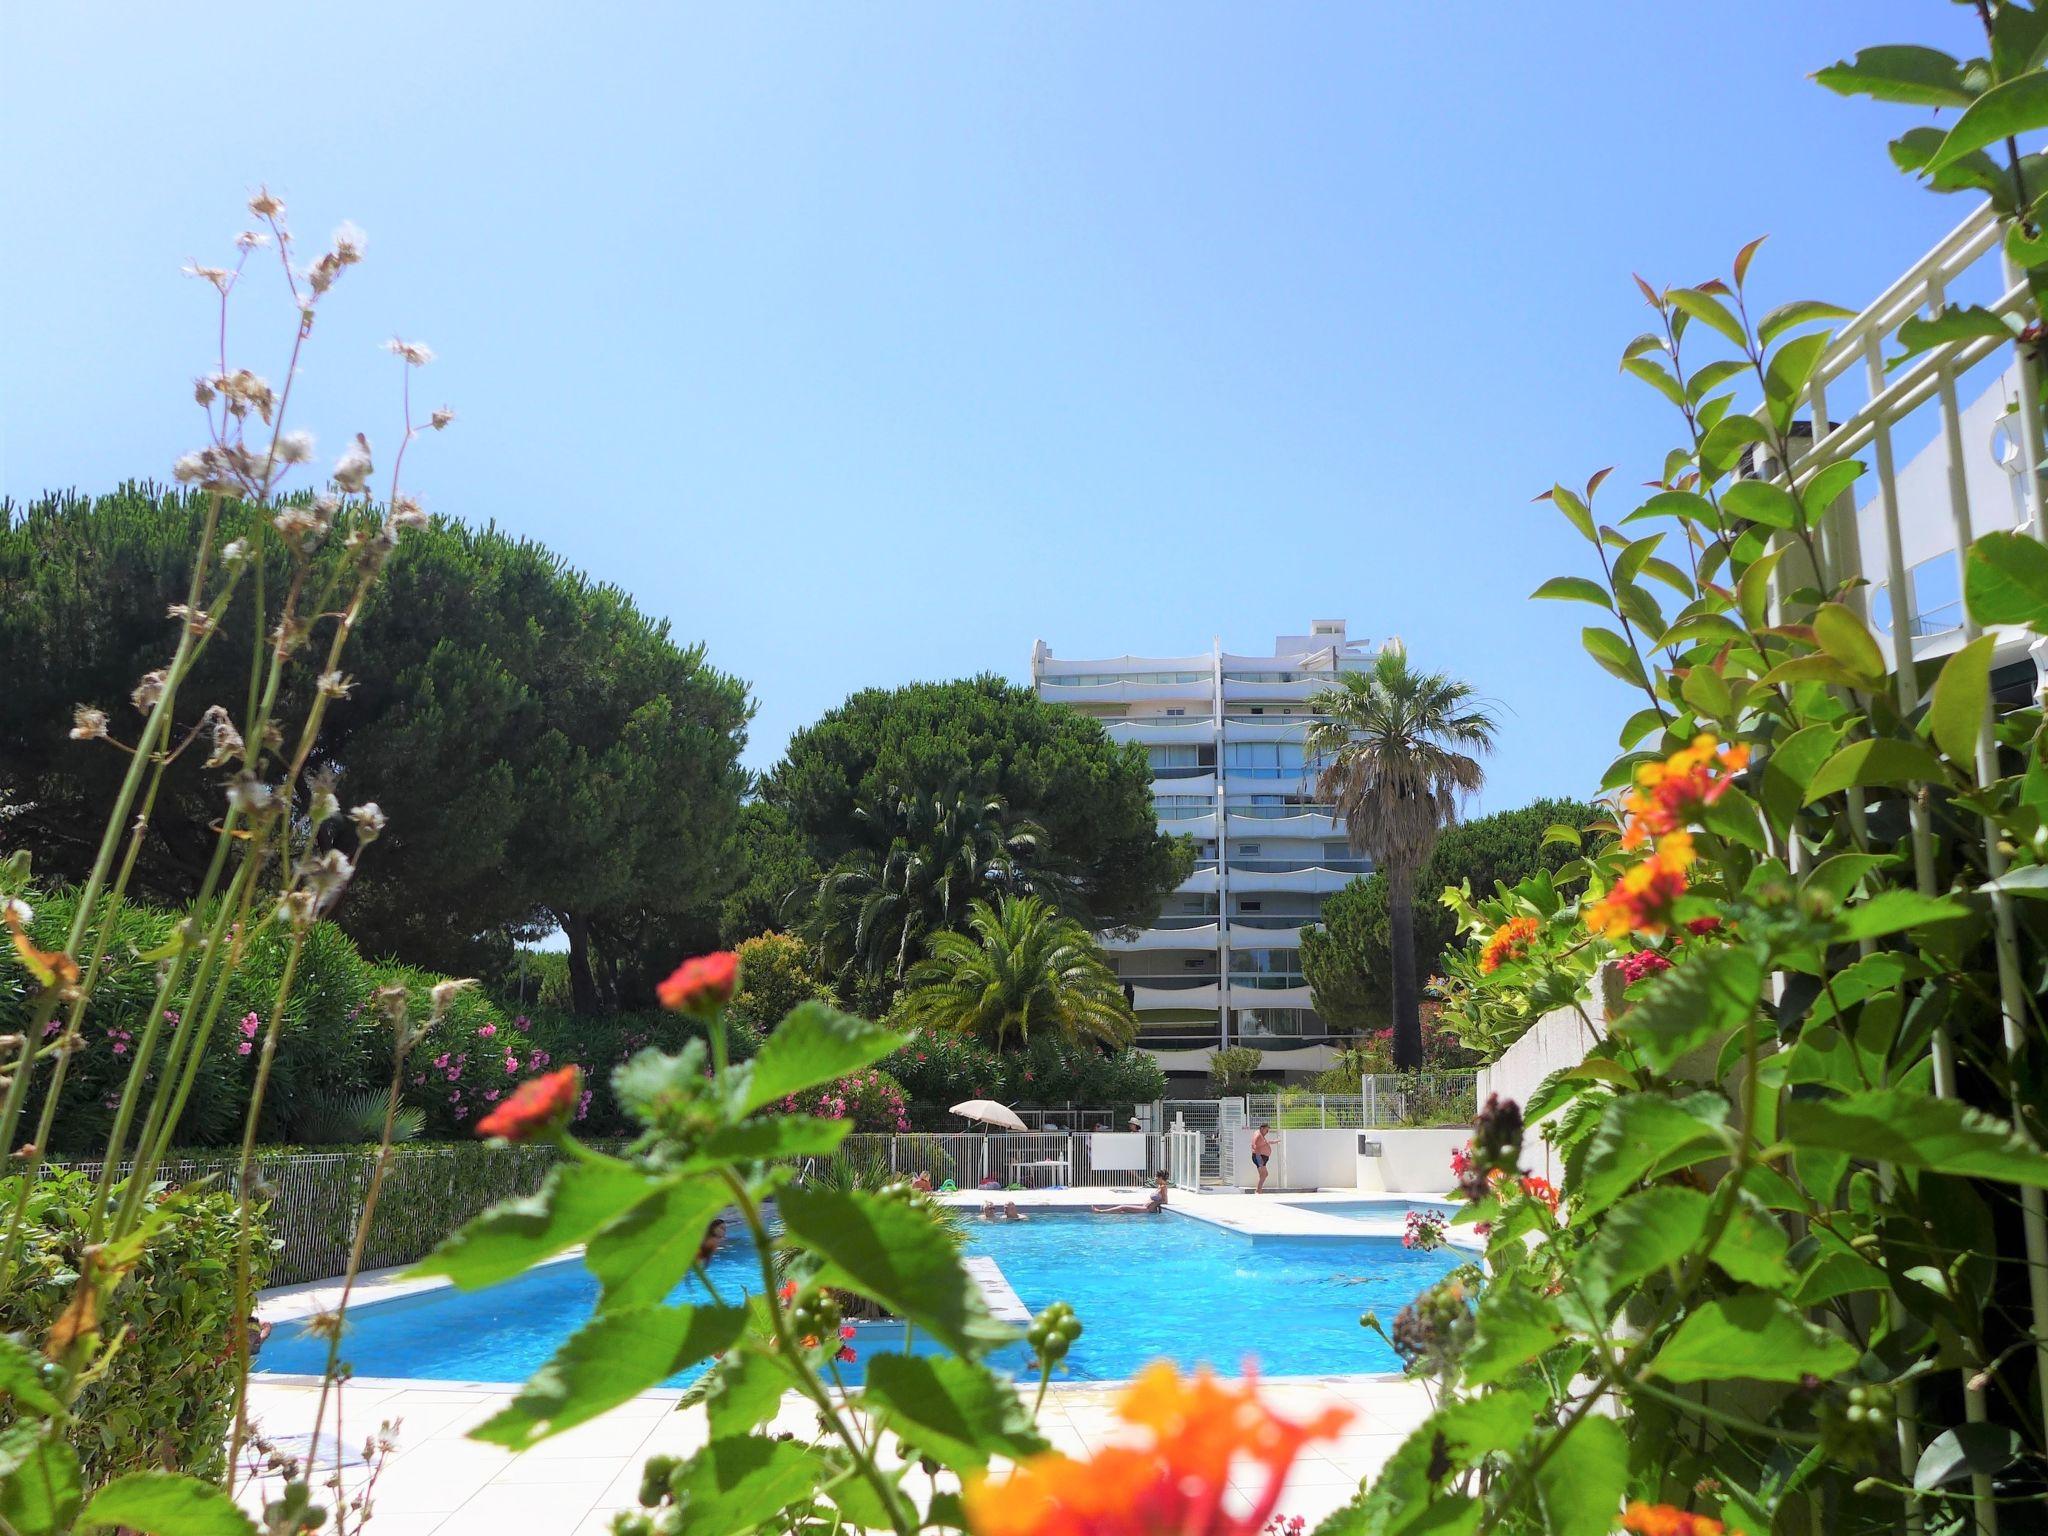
x=220, y=277
x=325, y=804
x=324, y=876
x=294, y=447
x=227, y=741
x=369, y=820
x=441, y=417
x=87, y=723
x=443, y=997
x=418, y=353
x=336, y=685
x=251, y=240
x=248, y=793
x=348, y=243
x=406, y=512
x=234, y=552
x=266, y=206
x=353, y=470
x=202, y=391
x=18, y=911
x=149, y=690
x=197, y=620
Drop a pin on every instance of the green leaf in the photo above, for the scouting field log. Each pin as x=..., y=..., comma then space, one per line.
x=1650, y=1230
x=1787, y=373
x=613, y=1357
x=1843, y=636
x=1612, y=652
x=1561, y=832
x=1639, y=725
x=1642, y=1136
x=2005, y=580
x=814, y=1045
x=955, y=1411
x=1706, y=691
x=1753, y=589
x=1964, y=1451
x=1713, y=375
x=1820, y=493
x=1966, y=322
x=1750, y=1337
x=1583, y=1482
x=1576, y=588
x=1961, y=695
x=1688, y=505
x=1797, y=313
x=644, y=1255
x=1714, y=628
x=1813, y=669
x=2028, y=880
x=1710, y=311
x=1511, y=1327
x=21, y=1379
x=742, y=1484
x=745, y=1392
x=39, y=1484
x=2003, y=112
x=1895, y=911
x=1576, y=512
x=894, y=1252
x=1912, y=76
x=1725, y=441
x=1657, y=377
x=763, y=1140
x=1914, y=1130
x=1629, y=563
x=573, y=1202
x=1762, y=501
x=1707, y=995
x=1882, y=760
x=168, y=1504
x=1752, y=1248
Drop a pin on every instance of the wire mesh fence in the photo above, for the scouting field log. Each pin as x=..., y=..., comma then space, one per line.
x=1383, y=1102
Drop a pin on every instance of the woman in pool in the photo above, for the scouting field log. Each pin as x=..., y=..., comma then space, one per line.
x=1262, y=1154
x=1011, y=1213
x=1151, y=1207
x=714, y=1239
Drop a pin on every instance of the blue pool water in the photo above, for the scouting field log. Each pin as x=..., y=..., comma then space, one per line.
x=1144, y=1286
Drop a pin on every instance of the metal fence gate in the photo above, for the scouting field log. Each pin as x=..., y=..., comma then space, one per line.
x=1204, y=1116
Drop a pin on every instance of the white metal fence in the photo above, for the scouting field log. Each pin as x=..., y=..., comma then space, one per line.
x=1029, y=1159
x=1382, y=1102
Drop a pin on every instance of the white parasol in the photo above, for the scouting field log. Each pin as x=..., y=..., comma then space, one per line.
x=989, y=1112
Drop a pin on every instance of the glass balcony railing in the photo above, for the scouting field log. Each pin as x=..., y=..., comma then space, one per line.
x=1268, y=981
x=1183, y=770
x=1269, y=920
x=1279, y=812
x=1170, y=920
x=1177, y=981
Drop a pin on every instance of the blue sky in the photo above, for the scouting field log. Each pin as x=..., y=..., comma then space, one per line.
x=869, y=343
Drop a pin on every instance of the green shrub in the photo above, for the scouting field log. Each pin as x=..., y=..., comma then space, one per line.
x=1231, y=1069
x=166, y=1398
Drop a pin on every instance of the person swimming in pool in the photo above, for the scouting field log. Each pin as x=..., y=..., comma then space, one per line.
x=1011, y=1213
x=1151, y=1207
x=714, y=1239
x=1262, y=1154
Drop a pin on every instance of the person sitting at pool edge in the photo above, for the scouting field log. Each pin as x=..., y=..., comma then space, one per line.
x=1151, y=1207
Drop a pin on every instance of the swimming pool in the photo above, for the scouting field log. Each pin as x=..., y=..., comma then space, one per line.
x=1144, y=1286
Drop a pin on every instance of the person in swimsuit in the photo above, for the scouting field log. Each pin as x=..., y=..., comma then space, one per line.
x=1262, y=1154
x=714, y=1239
x=1151, y=1207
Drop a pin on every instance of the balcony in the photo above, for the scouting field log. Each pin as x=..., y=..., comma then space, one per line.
x=1152, y=996
x=1281, y=931
x=1247, y=876
x=1162, y=730
x=1267, y=727
x=1202, y=882
x=1201, y=933
x=1269, y=992
x=1235, y=689
x=1202, y=825
x=1194, y=780
x=1124, y=691
x=1280, y=821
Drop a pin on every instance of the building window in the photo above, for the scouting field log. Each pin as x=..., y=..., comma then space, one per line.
x=1249, y=906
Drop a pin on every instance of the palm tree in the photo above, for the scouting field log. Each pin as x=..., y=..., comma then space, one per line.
x=1021, y=966
x=1396, y=747
x=923, y=856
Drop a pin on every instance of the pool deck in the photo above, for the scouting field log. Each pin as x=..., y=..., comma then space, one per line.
x=439, y=1483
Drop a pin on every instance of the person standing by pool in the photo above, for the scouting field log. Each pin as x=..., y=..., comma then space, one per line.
x=1151, y=1207
x=1262, y=1154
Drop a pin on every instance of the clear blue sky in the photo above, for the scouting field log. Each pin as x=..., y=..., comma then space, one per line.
x=870, y=342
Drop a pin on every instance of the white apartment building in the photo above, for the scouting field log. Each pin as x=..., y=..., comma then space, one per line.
x=1222, y=963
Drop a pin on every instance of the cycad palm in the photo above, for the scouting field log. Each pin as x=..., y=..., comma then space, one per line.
x=1398, y=749
x=1021, y=966
x=925, y=855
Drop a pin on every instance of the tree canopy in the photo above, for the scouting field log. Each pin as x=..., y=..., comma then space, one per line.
x=1020, y=965
x=546, y=753
x=1348, y=960
x=1091, y=798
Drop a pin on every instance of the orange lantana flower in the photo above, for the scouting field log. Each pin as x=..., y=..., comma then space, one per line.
x=1510, y=941
x=1671, y=794
x=702, y=985
x=535, y=1105
x=1667, y=1520
x=1641, y=900
x=1201, y=1430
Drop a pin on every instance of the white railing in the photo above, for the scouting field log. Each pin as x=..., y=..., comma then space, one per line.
x=1184, y=1159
